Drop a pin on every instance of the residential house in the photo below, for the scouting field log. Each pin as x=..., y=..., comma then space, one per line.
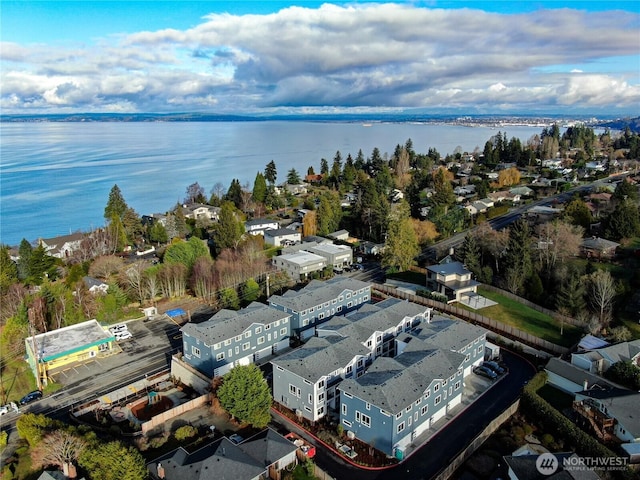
x=199, y=211
x=340, y=235
x=599, y=360
x=63, y=246
x=339, y=256
x=299, y=265
x=504, y=196
x=257, y=226
x=51, y=352
x=452, y=280
x=231, y=338
x=263, y=456
x=596, y=247
x=610, y=412
x=304, y=380
x=281, y=236
x=295, y=189
x=313, y=178
x=571, y=378
x=318, y=301
x=522, y=191
x=95, y=286
x=396, y=195
x=371, y=248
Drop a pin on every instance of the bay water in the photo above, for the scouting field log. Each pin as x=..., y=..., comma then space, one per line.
x=55, y=177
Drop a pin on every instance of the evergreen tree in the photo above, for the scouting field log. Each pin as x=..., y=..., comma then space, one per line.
x=518, y=262
x=116, y=206
x=113, y=461
x=324, y=166
x=228, y=298
x=250, y=290
x=359, y=163
x=293, y=178
x=229, y=229
x=623, y=222
x=246, y=396
x=348, y=173
x=401, y=246
x=25, y=250
x=259, y=192
x=158, y=233
x=234, y=194
x=469, y=254
x=271, y=173
x=336, y=171
x=8, y=270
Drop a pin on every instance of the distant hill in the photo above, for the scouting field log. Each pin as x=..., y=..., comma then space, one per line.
x=622, y=124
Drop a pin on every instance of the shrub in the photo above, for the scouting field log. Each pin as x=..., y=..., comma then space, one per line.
x=185, y=432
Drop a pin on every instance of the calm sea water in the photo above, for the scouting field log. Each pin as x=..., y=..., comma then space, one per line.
x=55, y=178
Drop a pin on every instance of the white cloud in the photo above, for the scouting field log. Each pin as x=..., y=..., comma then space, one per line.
x=375, y=55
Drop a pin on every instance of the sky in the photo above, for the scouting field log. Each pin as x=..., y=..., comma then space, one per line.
x=252, y=57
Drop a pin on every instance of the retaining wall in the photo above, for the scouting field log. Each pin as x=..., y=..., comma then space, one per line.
x=161, y=418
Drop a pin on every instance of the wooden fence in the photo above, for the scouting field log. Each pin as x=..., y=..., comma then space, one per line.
x=473, y=317
x=161, y=418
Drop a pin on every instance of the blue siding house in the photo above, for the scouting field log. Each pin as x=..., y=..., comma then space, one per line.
x=230, y=338
x=318, y=301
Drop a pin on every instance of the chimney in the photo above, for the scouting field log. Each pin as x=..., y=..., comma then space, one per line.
x=585, y=385
x=160, y=471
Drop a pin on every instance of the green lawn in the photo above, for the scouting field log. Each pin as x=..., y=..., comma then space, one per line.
x=536, y=323
x=557, y=398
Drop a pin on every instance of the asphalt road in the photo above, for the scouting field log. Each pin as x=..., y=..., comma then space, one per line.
x=445, y=445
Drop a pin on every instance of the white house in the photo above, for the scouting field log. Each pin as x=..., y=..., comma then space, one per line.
x=257, y=226
x=281, y=236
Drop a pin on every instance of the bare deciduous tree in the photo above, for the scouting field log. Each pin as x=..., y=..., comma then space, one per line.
x=105, y=266
x=556, y=242
x=58, y=448
x=603, y=291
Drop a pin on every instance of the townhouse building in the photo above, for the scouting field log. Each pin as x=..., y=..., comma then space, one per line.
x=305, y=379
x=338, y=256
x=299, y=265
x=402, y=395
x=377, y=325
x=318, y=301
x=399, y=398
x=231, y=338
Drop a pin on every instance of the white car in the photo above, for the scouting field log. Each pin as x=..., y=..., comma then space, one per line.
x=4, y=409
x=124, y=335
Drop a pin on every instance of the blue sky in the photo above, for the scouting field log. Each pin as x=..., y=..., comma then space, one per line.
x=257, y=56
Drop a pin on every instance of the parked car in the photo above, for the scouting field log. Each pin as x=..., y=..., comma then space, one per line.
x=31, y=397
x=236, y=439
x=118, y=329
x=485, y=372
x=4, y=409
x=124, y=335
x=491, y=365
x=357, y=266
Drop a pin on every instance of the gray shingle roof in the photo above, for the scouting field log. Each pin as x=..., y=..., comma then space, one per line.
x=394, y=383
x=229, y=323
x=449, y=268
x=268, y=447
x=621, y=404
x=449, y=334
x=574, y=374
x=221, y=460
x=320, y=356
x=316, y=293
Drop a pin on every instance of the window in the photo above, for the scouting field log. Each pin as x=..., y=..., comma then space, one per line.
x=418, y=401
x=386, y=414
x=427, y=394
x=457, y=385
x=267, y=326
x=367, y=406
x=237, y=350
x=195, y=351
x=348, y=395
x=258, y=330
x=365, y=298
x=321, y=397
x=227, y=343
x=339, y=309
x=283, y=331
x=398, y=415
x=349, y=369
x=400, y=427
x=408, y=409
x=334, y=301
x=326, y=304
x=247, y=334
x=293, y=390
x=360, y=362
x=220, y=356
x=340, y=298
x=303, y=312
x=261, y=340
x=344, y=409
x=437, y=400
x=350, y=304
x=307, y=409
x=307, y=382
x=348, y=295
x=285, y=320
x=310, y=398
x=217, y=346
x=363, y=419
x=320, y=316
x=378, y=338
x=321, y=384
x=305, y=322
x=436, y=387
x=347, y=423
x=238, y=338
x=280, y=368
x=424, y=410
x=480, y=348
